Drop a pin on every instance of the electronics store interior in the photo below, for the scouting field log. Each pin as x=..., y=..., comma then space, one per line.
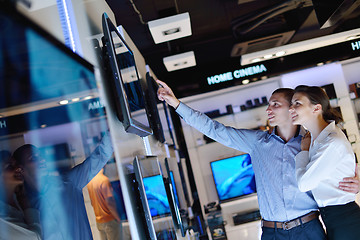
x=89, y=149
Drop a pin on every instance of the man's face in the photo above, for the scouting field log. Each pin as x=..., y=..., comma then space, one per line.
x=278, y=110
x=34, y=167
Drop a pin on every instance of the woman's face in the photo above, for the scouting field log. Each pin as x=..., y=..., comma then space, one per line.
x=11, y=174
x=301, y=109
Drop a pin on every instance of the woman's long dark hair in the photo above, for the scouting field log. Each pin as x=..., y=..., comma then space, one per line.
x=317, y=95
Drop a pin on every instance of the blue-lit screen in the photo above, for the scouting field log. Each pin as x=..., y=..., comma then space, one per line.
x=234, y=177
x=156, y=195
x=174, y=188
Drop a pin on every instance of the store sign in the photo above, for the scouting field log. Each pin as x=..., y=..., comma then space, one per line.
x=240, y=73
x=3, y=124
x=355, y=45
x=95, y=105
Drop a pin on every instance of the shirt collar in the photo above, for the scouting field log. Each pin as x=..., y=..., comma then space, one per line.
x=326, y=131
x=300, y=131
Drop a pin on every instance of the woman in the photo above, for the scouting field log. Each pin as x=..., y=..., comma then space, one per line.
x=17, y=219
x=326, y=157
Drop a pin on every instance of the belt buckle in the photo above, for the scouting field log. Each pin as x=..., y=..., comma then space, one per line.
x=285, y=226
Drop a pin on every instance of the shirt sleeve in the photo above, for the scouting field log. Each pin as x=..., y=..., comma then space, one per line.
x=310, y=171
x=82, y=174
x=240, y=139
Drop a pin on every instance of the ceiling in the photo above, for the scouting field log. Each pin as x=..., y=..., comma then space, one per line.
x=223, y=30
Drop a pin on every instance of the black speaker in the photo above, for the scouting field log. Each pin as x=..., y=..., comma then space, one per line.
x=240, y=218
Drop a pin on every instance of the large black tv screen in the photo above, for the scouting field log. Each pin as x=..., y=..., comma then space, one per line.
x=124, y=81
x=35, y=67
x=234, y=177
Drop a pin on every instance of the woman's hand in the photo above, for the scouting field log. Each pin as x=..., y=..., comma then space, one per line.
x=351, y=184
x=166, y=94
x=305, y=142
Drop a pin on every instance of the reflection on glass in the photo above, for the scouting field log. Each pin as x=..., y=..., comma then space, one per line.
x=154, y=203
x=49, y=151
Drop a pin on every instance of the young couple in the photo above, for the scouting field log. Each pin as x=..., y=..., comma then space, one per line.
x=290, y=212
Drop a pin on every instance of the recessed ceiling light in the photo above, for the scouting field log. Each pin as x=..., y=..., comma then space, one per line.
x=63, y=102
x=268, y=56
x=279, y=54
x=256, y=60
x=43, y=126
x=246, y=81
x=75, y=99
x=88, y=97
x=320, y=64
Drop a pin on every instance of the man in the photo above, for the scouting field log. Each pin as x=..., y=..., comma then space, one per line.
x=59, y=199
x=103, y=202
x=287, y=212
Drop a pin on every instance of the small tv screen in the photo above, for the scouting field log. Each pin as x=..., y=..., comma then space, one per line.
x=156, y=195
x=121, y=71
x=234, y=177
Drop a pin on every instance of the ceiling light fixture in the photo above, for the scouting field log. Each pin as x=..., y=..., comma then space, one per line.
x=170, y=28
x=171, y=31
x=75, y=99
x=64, y=102
x=179, y=61
x=301, y=46
x=246, y=81
x=268, y=56
x=353, y=37
x=256, y=60
x=280, y=53
x=88, y=97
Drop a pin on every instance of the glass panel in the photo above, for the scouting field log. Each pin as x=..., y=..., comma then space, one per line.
x=54, y=140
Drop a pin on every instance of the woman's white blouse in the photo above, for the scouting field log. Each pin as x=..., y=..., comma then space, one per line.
x=329, y=159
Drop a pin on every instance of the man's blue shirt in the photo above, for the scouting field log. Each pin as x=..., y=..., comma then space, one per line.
x=273, y=162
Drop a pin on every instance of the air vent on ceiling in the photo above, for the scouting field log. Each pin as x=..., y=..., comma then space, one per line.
x=261, y=43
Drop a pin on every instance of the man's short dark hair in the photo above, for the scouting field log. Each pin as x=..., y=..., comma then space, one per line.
x=287, y=92
x=19, y=153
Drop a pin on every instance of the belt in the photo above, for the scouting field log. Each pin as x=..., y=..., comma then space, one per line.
x=292, y=223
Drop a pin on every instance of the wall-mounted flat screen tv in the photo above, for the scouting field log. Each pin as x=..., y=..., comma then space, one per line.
x=233, y=176
x=152, y=111
x=124, y=80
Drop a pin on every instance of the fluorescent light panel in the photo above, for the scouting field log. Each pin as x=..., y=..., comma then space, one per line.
x=297, y=47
